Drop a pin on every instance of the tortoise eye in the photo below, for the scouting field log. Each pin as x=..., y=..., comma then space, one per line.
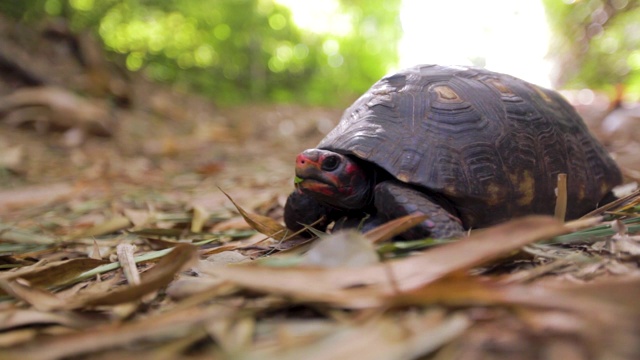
x=330, y=163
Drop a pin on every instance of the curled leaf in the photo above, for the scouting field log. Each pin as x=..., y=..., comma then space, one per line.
x=260, y=223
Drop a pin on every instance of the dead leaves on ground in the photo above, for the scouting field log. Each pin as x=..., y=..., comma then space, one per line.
x=333, y=298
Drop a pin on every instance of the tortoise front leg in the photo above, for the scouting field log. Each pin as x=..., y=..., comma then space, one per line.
x=302, y=209
x=394, y=199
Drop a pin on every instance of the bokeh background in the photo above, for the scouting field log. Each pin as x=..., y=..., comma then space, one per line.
x=329, y=51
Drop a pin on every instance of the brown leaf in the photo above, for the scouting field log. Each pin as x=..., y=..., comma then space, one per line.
x=170, y=324
x=53, y=274
x=366, y=286
x=394, y=227
x=260, y=223
x=40, y=299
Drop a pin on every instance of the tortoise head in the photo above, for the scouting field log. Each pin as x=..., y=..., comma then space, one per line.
x=333, y=178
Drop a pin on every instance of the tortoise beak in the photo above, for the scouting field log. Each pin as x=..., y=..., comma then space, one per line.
x=307, y=165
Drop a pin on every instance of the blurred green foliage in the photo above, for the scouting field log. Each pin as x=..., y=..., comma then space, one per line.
x=238, y=50
x=596, y=43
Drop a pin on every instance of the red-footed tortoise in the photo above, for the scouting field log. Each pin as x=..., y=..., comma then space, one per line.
x=466, y=146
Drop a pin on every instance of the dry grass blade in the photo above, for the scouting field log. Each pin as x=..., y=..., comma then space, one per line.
x=7, y=233
x=394, y=227
x=631, y=198
x=260, y=223
x=366, y=286
x=561, y=198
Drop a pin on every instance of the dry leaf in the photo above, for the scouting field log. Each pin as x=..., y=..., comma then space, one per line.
x=170, y=324
x=38, y=298
x=260, y=223
x=161, y=275
x=200, y=217
x=347, y=248
x=53, y=274
x=394, y=227
x=388, y=337
x=366, y=286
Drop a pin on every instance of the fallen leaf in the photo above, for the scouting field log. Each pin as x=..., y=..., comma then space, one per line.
x=367, y=286
x=227, y=257
x=40, y=299
x=166, y=325
x=260, y=223
x=161, y=275
x=53, y=274
x=387, y=337
x=200, y=217
x=346, y=248
x=394, y=227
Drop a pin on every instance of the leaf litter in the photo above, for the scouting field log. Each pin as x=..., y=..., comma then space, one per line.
x=123, y=245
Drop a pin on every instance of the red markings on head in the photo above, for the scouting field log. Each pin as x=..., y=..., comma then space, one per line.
x=305, y=161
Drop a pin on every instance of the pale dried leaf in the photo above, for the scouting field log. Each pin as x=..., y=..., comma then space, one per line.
x=227, y=257
x=95, y=251
x=347, y=248
x=200, y=217
x=388, y=337
x=260, y=223
x=394, y=227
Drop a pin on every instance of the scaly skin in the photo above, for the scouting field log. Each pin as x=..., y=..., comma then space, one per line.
x=394, y=199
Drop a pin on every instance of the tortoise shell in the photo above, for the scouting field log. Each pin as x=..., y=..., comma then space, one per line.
x=492, y=144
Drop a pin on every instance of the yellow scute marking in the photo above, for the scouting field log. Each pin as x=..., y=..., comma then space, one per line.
x=494, y=191
x=500, y=86
x=542, y=94
x=404, y=177
x=446, y=94
x=524, y=183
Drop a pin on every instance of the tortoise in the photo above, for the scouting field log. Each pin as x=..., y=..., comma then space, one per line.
x=465, y=146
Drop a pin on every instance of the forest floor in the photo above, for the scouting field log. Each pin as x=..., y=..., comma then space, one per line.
x=117, y=239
